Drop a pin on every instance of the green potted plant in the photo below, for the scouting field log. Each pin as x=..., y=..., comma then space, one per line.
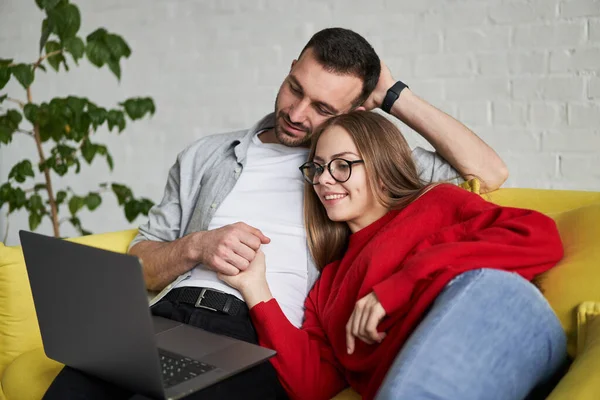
x=62, y=129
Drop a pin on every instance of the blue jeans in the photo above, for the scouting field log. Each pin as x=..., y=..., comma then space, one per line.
x=489, y=335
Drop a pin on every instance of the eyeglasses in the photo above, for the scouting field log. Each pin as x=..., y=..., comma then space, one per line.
x=338, y=168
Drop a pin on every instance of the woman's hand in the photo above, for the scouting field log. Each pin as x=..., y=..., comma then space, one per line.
x=252, y=283
x=363, y=322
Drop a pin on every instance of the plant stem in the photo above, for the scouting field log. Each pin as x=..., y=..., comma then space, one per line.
x=6, y=232
x=28, y=133
x=41, y=59
x=51, y=199
x=19, y=102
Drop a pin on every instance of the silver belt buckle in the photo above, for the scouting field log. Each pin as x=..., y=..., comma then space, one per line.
x=199, y=301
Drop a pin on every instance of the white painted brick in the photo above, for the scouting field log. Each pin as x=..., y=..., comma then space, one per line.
x=579, y=8
x=527, y=63
x=431, y=90
x=441, y=65
x=594, y=88
x=512, y=139
x=509, y=114
x=571, y=140
x=420, y=44
x=401, y=67
x=477, y=89
x=454, y=15
x=557, y=34
x=556, y=88
x=594, y=31
x=492, y=63
x=575, y=60
x=477, y=39
x=576, y=167
x=548, y=115
x=527, y=166
x=584, y=116
x=409, y=6
x=474, y=113
x=519, y=12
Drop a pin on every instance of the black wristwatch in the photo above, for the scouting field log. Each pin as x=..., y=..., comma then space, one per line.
x=392, y=95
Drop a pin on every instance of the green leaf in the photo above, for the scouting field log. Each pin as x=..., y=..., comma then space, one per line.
x=75, y=204
x=47, y=28
x=21, y=171
x=34, y=220
x=5, y=62
x=61, y=195
x=110, y=162
x=4, y=76
x=88, y=150
x=115, y=68
x=122, y=192
x=92, y=201
x=47, y=4
x=145, y=206
x=9, y=123
x=36, y=203
x=14, y=116
x=39, y=186
x=76, y=47
x=97, y=53
x=24, y=74
x=97, y=115
x=132, y=210
x=137, y=108
x=31, y=112
x=117, y=46
x=2, y=98
x=67, y=20
x=17, y=200
x=56, y=59
x=116, y=118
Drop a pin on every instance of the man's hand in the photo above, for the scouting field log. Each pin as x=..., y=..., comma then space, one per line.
x=252, y=282
x=363, y=322
x=386, y=81
x=229, y=249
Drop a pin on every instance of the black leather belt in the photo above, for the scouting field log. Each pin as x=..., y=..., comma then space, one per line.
x=209, y=299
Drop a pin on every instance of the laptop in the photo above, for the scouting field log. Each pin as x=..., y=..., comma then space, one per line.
x=93, y=313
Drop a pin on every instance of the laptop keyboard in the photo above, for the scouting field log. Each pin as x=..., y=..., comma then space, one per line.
x=176, y=368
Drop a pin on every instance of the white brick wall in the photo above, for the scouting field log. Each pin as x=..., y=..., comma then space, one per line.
x=523, y=74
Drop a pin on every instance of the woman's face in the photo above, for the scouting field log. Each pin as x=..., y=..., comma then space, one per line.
x=352, y=201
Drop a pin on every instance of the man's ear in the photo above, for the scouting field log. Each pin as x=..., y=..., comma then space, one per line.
x=360, y=108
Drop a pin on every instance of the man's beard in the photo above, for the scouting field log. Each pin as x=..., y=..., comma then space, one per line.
x=282, y=136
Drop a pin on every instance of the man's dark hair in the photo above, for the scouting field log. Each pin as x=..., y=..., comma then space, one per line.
x=343, y=51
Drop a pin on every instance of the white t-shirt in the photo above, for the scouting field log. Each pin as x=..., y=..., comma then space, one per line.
x=268, y=195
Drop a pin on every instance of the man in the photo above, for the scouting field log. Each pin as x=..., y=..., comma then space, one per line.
x=230, y=194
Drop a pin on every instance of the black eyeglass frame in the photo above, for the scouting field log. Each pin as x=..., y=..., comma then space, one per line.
x=321, y=169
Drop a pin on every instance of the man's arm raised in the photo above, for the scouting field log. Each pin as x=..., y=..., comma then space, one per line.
x=227, y=250
x=456, y=143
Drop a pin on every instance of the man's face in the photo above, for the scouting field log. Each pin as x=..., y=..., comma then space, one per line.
x=308, y=97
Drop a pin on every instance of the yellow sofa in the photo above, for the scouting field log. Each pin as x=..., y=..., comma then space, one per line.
x=25, y=372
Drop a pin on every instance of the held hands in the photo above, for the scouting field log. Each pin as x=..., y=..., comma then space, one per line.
x=386, y=81
x=231, y=248
x=252, y=282
x=363, y=322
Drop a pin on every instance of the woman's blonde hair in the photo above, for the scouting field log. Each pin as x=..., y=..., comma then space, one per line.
x=391, y=175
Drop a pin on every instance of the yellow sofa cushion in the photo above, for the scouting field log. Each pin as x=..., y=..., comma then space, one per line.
x=32, y=371
x=576, y=278
x=581, y=381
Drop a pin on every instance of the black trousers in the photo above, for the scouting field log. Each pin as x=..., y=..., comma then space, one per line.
x=259, y=382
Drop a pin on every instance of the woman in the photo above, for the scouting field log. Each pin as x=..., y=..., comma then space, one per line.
x=395, y=256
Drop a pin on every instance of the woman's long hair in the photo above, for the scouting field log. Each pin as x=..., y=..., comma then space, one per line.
x=391, y=175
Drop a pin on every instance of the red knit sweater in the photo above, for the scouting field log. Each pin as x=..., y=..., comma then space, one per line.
x=406, y=257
